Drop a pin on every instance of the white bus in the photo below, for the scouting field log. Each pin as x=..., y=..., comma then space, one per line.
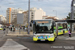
x=44, y=30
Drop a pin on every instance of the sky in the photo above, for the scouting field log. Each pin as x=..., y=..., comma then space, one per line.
x=59, y=8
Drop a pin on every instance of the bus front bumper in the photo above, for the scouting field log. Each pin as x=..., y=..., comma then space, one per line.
x=66, y=31
x=60, y=33
x=49, y=39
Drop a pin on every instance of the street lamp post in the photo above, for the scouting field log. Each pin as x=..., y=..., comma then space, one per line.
x=29, y=17
x=72, y=14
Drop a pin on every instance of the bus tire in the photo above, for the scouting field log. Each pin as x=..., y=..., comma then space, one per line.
x=54, y=40
x=35, y=41
x=56, y=37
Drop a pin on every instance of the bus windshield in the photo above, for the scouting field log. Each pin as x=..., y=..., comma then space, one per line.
x=43, y=27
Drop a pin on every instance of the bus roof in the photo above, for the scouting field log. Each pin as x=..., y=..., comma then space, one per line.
x=61, y=22
x=69, y=21
x=42, y=19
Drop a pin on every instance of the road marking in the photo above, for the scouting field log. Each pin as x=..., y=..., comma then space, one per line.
x=25, y=37
x=12, y=45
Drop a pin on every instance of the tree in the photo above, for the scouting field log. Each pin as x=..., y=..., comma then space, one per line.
x=14, y=22
x=68, y=17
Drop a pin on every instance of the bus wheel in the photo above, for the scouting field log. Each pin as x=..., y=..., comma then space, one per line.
x=54, y=40
x=35, y=41
x=56, y=37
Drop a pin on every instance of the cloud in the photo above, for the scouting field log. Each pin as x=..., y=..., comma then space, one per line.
x=61, y=6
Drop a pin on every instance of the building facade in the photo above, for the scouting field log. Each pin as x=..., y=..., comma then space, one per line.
x=50, y=17
x=8, y=15
x=14, y=13
x=35, y=14
x=11, y=14
x=25, y=17
x=2, y=18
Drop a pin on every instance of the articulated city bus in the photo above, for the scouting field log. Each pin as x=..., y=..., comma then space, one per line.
x=48, y=29
x=44, y=30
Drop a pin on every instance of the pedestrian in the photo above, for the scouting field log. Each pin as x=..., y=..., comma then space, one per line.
x=13, y=29
x=69, y=30
x=4, y=30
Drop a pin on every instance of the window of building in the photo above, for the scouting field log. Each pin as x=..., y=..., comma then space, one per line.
x=32, y=12
x=32, y=15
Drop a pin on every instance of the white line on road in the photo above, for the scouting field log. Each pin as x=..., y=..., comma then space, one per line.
x=12, y=45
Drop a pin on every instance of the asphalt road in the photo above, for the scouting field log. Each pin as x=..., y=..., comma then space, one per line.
x=2, y=40
x=2, y=33
x=57, y=45
x=19, y=43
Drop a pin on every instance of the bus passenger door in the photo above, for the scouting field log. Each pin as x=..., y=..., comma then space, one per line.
x=55, y=34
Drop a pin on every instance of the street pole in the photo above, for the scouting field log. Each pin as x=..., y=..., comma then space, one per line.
x=72, y=14
x=29, y=17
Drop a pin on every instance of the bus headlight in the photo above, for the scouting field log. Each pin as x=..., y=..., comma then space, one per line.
x=35, y=36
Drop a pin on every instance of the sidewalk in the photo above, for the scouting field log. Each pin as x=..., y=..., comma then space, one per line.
x=73, y=32
x=17, y=33
x=66, y=38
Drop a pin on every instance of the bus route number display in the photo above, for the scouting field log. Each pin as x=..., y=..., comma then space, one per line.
x=43, y=22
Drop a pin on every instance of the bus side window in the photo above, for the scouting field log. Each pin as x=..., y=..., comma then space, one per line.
x=54, y=26
x=64, y=25
x=60, y=26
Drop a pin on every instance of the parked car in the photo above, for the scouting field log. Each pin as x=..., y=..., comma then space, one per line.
x=1, y=27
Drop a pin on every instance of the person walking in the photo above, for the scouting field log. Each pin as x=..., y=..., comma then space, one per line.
x=69, y=30
x=13, y=29
x=4, y=29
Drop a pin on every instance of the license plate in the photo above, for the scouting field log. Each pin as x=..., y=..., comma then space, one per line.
x=42, y=39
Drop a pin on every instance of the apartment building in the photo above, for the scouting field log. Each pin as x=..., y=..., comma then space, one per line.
x=35, y=14
x=15, y=12
x=25, y=17
x=8, y=14
x=11, y=14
